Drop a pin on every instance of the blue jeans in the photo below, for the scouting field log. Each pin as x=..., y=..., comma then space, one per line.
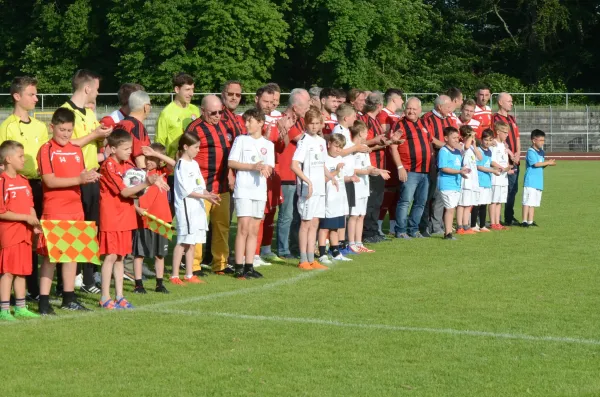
x=288, y=222
x=415, y=189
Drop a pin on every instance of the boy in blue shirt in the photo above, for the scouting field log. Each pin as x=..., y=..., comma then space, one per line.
x=484, y=172
x=449, y=177
x=534, y=176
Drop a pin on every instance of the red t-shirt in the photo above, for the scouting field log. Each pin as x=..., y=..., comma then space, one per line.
x=284, y=161
x=386, y=117
x=136, y=129
x=64, y=162
x=155, y=201
x=117, y=213
x=330, y=123
x=18, y=198
x=484, y=116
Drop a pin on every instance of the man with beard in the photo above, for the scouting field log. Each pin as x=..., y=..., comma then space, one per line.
x=329, y=104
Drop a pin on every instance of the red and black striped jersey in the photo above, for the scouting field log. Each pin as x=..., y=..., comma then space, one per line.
x=234, y=123
x=513, y=130
x=436, y=124
x=375, y=129
x=138, y=132
x=213, y=154
x=416, y=151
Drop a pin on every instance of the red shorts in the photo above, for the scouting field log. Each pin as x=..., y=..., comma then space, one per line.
x=116, y=243
x=41, y=246
x=16, y=259
x=274, y=198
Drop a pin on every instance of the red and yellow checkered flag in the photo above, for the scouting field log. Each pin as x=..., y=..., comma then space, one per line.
x=71, y=241
x=159, y=226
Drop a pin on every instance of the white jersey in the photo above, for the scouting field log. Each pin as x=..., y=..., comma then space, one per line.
x=470, y=161
x=349, y=159
x=362, y=161
x=500, y=156
x=117, y=116
x=248, y=150
x=190, y=212
x=336, y=203
x=475, y=124
x=311, y=152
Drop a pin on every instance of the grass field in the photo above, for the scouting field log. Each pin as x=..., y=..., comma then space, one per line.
x=502, y=314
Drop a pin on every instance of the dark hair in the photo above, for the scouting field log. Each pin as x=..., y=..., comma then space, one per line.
x=126, y=90
x=19, y=84
x=466, y=131
x=328, y=92
x=158, y=147
x=231, y=82
x=484, y=87
x=7, y=148
x=182, y=79
x=454, y=93
x=358, y=127
x=341, y=93
x=63, y=116
x=537, y=134
x=353, y=94
x=265, y=89
x=449, y=131
x=488, y=132
x=118, y=137
x=187, y=139
x=391, y=92
x=254, y=113
x=273, y=86
x=82, y=77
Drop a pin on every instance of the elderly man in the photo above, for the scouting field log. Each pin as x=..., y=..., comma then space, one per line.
x=315, y=96
x=215, y=142
x=413, y=160
x=467, y=111
x=123, y=94
x=288, y=222
x=513, y=144
x=483, y=113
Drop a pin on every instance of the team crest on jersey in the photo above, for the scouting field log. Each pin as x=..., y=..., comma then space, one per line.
x=457, y=162
x=77, y=159
x=316, y=156
x=425, y=130
x=229, y=137
x=263, y=150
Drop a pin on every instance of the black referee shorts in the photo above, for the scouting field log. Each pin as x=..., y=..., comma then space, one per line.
x=90, y=199
x=38, y=196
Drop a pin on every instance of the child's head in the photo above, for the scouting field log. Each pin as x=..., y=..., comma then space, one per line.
x=121, y=144
x=487, y=137
x=314, y=121
x=153, y=163
x=189, y=145
x=62, y=123
x=336, y=144
x=255, y=120
x=12, y=155
x=451, y=136
x=538, y=137
x=466, y=132
x=501, y=129
x=358, y=131
x=346, y=115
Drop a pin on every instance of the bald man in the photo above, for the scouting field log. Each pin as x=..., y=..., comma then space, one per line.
x=513, y=143
x=215, y=142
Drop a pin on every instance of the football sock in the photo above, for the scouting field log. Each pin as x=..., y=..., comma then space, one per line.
x=138, y=283
x=5, y=305
x=303, y=257
x=321, y=250
x=159, y=282
x=20, y=303
x=392, y=226
x=265, y=250
x=310, y=257
x=335, y=250
x=68, y=297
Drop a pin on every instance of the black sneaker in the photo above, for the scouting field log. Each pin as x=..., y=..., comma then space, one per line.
x=31, y=298
x=47, y=311
x=161, y=289
x=90, y=289
x=533, y=224
x=226, y=272
x=200, y=273
x=514, y=222
x=75, y=306
x=425, y=233
x=252, y=274
x=449, y=237
x=139, y=289
x=239, y=273
x=524, y=224
x=371, y=240
x=58, y=292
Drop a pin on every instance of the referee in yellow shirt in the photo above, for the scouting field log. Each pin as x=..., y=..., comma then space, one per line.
x=32, y=134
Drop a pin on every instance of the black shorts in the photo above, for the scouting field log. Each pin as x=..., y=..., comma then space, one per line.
x=38, y=196
x=90, y=199
x=332, y=223
x=350, y=194
x=148, y=244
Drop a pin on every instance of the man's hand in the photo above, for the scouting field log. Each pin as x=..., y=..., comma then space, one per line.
x=88, y=177
x=402, y=175
x=213, y=198
x=385, y=174
x=396, y=137
x=284, y=124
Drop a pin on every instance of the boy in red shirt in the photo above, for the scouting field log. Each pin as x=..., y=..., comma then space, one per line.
x=146, y=243
x=17, y=219
x=62, y=169
x=117, y=215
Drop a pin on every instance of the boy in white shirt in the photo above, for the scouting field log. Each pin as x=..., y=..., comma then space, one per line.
x=253, y=157
x=469, y=193
x=308, y=164
x=500, y=160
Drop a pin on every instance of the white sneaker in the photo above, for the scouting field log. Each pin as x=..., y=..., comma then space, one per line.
x=79, y=280
x=342, y=258
x=325, y=260
x=259, y=262
x=476, y=228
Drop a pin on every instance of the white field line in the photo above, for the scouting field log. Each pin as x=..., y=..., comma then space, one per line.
x=385, y=327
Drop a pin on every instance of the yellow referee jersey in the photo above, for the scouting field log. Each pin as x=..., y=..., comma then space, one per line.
x=32, y=135
x=85, y=123
x=173, y=120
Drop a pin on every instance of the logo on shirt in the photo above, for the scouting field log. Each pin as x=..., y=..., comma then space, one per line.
x=253, y=158
x=263, y=150
x=457, y=162
x=229, y=137
x=77, y=159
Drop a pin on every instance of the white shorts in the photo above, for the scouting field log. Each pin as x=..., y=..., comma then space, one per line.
x=198, y=238
x=532, y=197
x=249, y=207
x=360, y=208
x=485, y=196
x=450, y=198
x=468, y=197
x=312, y=208
x=499, y=194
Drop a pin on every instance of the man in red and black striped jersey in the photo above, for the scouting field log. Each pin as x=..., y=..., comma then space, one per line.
x=133, y=124
x=435, y=121
x=231, y=95
x=466, y=117
x=215, y=142
x=483, y=113
x=413, y=159
x=329, y=104
x=513, y=143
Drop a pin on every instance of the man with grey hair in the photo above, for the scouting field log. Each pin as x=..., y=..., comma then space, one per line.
x=133, y=124
x=315, y=96
x=288, y=222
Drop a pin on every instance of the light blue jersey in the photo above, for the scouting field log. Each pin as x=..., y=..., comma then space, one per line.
x=448, y=158
x=534, y=176
x=485, y=178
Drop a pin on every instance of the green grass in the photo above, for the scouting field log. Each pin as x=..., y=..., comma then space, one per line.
x=392, y=323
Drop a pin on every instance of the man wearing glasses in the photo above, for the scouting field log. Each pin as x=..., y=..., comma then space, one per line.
x=215, y=142
x=231, y=95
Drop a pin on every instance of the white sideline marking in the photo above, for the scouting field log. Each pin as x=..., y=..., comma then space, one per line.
x=385, y=327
